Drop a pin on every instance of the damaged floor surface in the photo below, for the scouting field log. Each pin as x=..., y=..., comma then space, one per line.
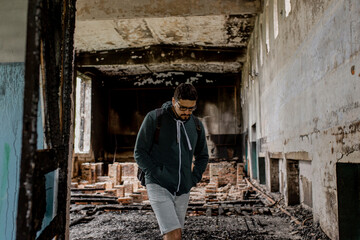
x=223, y=220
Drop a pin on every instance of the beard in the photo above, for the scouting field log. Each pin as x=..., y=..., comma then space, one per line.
x=185, y=116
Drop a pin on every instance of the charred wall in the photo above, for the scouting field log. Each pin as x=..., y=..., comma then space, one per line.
x=99, y=118
x=120, y=105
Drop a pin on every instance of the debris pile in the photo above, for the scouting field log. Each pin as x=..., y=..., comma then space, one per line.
x=225, y=205
x=119, y=186
x=221, y=182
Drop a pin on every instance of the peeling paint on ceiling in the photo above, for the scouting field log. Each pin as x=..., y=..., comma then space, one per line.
x=223, y=31
x=103, y=28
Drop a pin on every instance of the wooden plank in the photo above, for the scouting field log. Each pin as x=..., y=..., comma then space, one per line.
x=93, y=200
x=87, y=189
x=46, y=160
x=26, y=211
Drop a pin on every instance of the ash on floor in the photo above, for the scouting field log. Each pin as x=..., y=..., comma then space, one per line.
x=142, y=224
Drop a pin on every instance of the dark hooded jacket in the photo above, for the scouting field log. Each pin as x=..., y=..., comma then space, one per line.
x=169, y=163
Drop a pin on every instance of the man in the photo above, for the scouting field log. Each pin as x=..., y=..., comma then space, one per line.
x=167, y=162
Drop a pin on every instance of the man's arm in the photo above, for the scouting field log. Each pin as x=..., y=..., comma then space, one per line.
x=201, y=156
x=144, y=142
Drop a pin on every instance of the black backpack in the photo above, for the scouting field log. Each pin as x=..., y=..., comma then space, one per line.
x=159, y=113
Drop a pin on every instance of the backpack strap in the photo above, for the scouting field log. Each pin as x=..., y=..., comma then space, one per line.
x=198, y=129
x=159, y=113
x=197, y=123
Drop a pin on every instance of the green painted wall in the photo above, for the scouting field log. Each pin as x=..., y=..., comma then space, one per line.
x=11, y=114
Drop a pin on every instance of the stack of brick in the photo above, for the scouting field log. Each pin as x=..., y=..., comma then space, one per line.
x=89, y=172
x=240, y=173
x=114, y=173
x=125, y=200
x=129, y=175
x=224, y=171
x=210, y=192
x=197, y=194
x=120, y=190
x=86, y=172
x=143, y=193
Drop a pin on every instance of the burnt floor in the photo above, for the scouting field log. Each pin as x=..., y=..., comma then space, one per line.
x=268, y=223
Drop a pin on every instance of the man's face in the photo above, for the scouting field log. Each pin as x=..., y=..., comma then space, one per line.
x=184, y=108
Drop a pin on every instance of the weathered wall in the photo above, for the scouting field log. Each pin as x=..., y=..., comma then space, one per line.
x=301, y=89
x=11, y=105
x=12, y=57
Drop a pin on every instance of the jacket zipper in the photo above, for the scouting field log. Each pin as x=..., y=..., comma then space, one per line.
x=178, y=187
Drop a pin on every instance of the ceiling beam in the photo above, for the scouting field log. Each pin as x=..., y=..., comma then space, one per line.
x=162, y=54
x=126, y=9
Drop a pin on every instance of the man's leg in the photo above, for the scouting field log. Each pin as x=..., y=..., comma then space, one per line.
x=162, y=203
x=173, y=235
x=181, y=204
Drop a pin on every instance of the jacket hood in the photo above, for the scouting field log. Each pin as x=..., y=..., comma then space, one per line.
x=167, y=107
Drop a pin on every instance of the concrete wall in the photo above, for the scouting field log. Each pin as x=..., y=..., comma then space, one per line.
x=301, y=88
x=13, y=30
x=12, y=56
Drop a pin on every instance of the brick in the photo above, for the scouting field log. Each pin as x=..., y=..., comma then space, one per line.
x=224, y=171
x=86, y=172
x=120, y=190
x=110, y=192
x=137, y=197
x=103, y=178
x=83, y=183
x=129, y=169
x=114, y=173
x=100, y=185
x=109, y=185
x=144, y=194
x=125, y=200
x=93, y=173
x=129, y=187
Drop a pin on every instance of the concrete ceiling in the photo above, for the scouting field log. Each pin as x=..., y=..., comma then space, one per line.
x=146, y=36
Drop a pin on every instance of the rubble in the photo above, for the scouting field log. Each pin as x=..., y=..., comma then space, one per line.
x=226, y=207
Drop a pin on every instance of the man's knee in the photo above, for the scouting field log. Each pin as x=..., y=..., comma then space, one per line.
x=173, y=235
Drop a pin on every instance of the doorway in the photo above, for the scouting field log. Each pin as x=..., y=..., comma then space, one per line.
x=262, y=174
x=348, y=192
x=292, y=180
x=274, y=175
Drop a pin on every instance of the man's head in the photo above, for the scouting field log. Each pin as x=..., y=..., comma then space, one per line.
x=184, y=100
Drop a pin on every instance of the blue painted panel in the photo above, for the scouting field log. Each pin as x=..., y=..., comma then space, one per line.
x=51, y=194
x=254, y=165
x=11, y=115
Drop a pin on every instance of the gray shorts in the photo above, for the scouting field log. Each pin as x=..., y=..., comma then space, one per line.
x=169, y=210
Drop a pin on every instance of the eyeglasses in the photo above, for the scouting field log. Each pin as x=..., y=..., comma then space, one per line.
x=183, y=108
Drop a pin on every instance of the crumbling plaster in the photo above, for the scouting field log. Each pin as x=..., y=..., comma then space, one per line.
x=220, y=30
x=110, y=9
x=308, y=84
